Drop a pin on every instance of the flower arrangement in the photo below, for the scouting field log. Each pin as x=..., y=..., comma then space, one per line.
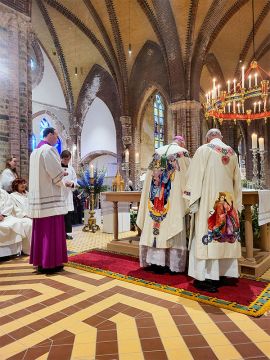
x=84, y=181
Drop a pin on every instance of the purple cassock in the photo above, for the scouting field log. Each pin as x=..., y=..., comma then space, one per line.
x=48, y=246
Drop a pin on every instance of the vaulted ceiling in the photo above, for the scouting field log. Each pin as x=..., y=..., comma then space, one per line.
x=197, y=39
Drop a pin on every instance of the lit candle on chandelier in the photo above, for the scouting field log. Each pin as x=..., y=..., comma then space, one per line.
x=254, y=141
x=229, y=86
x=261, y=144
x=229, y=107
x=249, y=81
x=254, y=107
x=243, y=76
x=256, y=78
x=234, y=85
x=214, y=83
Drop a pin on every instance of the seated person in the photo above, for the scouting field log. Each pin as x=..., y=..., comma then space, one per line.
x=19, y=198
x=12, y=230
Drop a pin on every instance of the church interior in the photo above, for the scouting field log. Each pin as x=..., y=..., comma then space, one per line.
x=118, y=79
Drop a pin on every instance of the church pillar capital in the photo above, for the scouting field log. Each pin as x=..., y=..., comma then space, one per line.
x=126, y=130
x=186, y=119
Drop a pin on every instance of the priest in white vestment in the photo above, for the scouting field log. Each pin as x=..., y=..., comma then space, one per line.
x=47, y=206
x=215, y=196
x=12, y=229
x=19, y=198
x=162, y=210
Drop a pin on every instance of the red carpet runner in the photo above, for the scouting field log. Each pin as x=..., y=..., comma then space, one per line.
x=243, y=295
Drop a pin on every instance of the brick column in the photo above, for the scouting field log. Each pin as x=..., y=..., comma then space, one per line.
x=4, y=98
x=15, y=93
x=187, y=121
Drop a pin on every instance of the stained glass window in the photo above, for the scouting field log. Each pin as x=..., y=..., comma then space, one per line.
x=45, y=124
x=158, y=121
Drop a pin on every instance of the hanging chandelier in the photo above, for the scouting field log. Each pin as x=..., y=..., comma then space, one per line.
x=244, y=99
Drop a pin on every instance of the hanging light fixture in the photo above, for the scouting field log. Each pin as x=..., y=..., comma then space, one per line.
x=244, y=99
x=129, y=45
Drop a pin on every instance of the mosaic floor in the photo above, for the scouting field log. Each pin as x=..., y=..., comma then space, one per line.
x=79, y=315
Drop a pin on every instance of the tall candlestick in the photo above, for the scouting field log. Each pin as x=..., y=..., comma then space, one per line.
x=249, y=81
x=234, y=85
x=127, y=156
x=254, y=107
x=261, y=144
x=229, y=107
x=243, y=76
x=234, y=106
x=256, y=77
x=91, y=171
x=238, y=107
x=254, y=138
x=229, y=86
x=136, y=157
x=218, y=90
x=259, y=103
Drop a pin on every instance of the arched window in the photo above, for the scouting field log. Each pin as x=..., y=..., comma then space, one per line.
x=158, y=121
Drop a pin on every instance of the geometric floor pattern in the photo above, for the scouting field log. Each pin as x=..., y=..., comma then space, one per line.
x=81, y=315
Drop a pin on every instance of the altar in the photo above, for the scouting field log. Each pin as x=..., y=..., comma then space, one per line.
x=254, y=261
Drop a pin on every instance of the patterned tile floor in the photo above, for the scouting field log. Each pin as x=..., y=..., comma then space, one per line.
x=79, y=315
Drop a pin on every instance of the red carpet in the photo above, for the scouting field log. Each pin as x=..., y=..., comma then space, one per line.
x=243, y=295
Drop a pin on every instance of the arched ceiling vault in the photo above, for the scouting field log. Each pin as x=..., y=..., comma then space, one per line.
x=192, y=35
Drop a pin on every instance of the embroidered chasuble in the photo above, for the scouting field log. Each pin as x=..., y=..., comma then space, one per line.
x=214, y=188
x=162, y=206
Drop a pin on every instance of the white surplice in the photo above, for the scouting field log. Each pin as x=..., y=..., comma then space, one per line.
x=12, y=230
x=214, y=192
x=67, y=192
x=20, y=210
x=161, y=215
x=6, y=178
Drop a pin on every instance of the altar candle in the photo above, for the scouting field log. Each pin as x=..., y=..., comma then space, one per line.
x=91, y=171
x=259, y=103
x=249, y=81
x=136, y=157
x=243, y=76
x=234, y=85
x=127, y=156
x=238, y=107
x=229, y=107
x=229, y=86
x=254, y=141
x=256, y=77
x=261, y=144
x=218, y=92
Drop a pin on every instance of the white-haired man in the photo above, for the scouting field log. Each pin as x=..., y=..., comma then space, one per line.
x=162, y=210
x=214, y=190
